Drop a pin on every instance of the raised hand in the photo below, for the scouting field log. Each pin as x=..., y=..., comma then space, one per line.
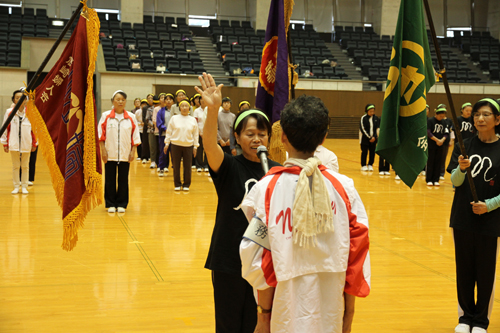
x=210, y=92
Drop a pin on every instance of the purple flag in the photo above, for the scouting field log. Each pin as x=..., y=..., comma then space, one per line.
x=274, y=83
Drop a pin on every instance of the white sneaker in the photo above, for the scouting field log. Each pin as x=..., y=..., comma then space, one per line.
x=387, y=173
x=152, y=165
x=364, y=168
x=397, y=177
x=436, y=184
x=441, y=178
x=185, y=189
x=477, y=330
x=160, y=174
x=462, y=328
x=177, y=189
x=370, y=168
x=381, y=173
x=24, y=190
x=193, y=167
x=30, y=183
x=198, y=170
x=16, y=190
x=138, y=159
x=158, y=169
x=121, y=210
x=144, y=161
x=165, y=169
x=422, y=173
x=429, y=184
x=206, y=169
x=111, y=209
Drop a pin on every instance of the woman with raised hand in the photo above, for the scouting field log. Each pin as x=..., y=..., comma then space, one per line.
x=476, y=226
x=233, y=177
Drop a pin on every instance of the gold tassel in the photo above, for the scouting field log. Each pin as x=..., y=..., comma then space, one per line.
x=277, y=151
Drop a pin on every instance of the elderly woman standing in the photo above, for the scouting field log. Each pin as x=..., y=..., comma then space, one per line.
x=118, y=138
x=476, y=226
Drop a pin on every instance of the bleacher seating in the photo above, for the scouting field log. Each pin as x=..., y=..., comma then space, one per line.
x=240, y=48
x=20, y=22
x=142, y=47
x=483, y=50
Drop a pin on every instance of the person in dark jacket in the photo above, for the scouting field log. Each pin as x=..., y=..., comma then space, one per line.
x=368, y=135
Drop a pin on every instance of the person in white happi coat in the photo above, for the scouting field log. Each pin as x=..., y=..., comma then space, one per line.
x=306, y=247
x=19, y=140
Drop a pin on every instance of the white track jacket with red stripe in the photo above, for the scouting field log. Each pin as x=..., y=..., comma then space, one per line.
x=309, y=282
x=119, y=133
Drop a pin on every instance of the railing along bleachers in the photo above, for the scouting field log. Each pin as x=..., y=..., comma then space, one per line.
x=13, y=26
x=239, y=47
x=159, y=45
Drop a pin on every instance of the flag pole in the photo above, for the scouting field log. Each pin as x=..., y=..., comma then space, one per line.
x=450, y=100
x=290, y=58
x=33, y=80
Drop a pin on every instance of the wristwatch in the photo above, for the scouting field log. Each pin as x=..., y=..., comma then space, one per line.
x=260, y=309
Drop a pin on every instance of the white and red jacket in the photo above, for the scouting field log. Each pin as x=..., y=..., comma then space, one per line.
x=21, y=142
x=309, y=282
x=119, y=132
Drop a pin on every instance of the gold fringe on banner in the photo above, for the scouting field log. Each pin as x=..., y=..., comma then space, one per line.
x=93, y=195
x=46, y=146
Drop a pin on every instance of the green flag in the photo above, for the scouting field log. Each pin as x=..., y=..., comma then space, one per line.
x=403, y=129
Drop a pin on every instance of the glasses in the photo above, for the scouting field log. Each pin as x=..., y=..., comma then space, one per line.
x=484, y=114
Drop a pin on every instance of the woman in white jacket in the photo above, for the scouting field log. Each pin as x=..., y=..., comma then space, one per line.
x=118, y=140
x=20, y=141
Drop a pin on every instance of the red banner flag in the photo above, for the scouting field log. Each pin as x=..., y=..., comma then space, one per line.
x=62, y=113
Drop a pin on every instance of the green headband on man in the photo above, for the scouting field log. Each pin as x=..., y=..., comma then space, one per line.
x=245, y=114
x=492, y=101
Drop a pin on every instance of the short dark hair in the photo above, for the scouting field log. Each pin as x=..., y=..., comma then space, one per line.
x=263, y=123
x=305, y=123
x=15, y=93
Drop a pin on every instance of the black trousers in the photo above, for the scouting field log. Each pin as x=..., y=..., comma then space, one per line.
x=201, y=158
x=365, y=148
x=434, y=165
x=139, y=150
x=145, y=145
x=475, y=257
x=383, y=165
x=442, y=170
x=186, y=154
x=235, y=306
x=116, y=197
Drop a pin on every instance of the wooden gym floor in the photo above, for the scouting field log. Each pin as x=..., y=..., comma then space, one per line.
x=143, y=271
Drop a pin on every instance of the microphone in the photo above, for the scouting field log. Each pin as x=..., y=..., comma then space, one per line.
x=262, y=154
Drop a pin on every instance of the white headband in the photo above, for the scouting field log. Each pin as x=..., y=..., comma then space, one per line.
x=116, y=92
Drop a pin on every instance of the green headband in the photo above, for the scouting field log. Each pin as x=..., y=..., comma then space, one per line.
x=426, y=105
x=245, y=114
x=371, y=106
x=465, y=105
x=492, y=101
x=441, y=110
